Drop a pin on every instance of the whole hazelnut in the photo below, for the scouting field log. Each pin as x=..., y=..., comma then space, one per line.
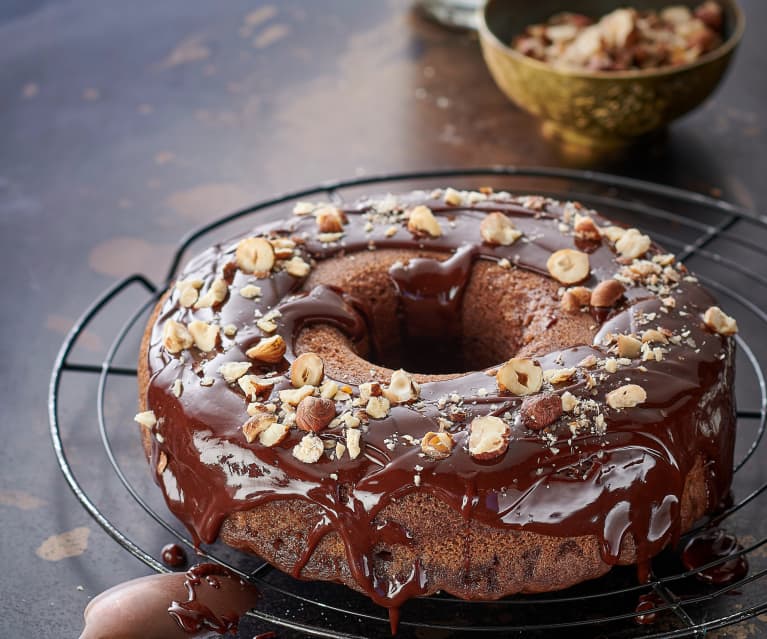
x=315, y=413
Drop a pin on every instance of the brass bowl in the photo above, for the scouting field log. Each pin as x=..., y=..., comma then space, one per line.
x=599, y=108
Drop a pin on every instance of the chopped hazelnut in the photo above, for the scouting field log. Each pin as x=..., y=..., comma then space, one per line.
x=297, y=267
x=520, y=376
x=146, y=418
x=401, y=388
x=626, y=396
x=718, y=321
x=293, y=396
x=497, y=228
x=232, y=371
x=488, y=437
x=422, y=221
x=205, y=335
x=437, y=445
x=539, y=411
x=329, y=219
x=309, y=449
x=308, y=368
x=214, y=295
x=632, y=244
x=269, y=349
x=568, y=266
x=353, y=437
x=628, y=346
x=274, y=434
x=607, y=293
x=377, y=407
x=175, y=337
x=255, y=255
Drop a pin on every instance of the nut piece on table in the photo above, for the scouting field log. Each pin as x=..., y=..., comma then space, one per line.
x=314, y=413
x=269, y=350
x=309, y=449
x=488, y=437
x=205, y=335
x=437, y=445
x=539, y=411
x=329, y=219
x=574, y=299
x=401, y=388
x=308, y=368
x=520, y=376
x=496, y=228
x=718, y=321
x=607, y=293
x=632, y=244
x=626, y=396
x=422, y=221
x=175, y=337
x=255, y=255
x=568, y=266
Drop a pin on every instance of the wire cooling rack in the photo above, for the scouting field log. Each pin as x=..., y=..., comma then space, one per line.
x=92, y=400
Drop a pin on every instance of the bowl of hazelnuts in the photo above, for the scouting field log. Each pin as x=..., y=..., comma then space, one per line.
x=604, y=74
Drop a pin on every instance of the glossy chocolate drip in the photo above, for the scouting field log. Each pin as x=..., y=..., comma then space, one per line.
x=173, y=555
x=648, y=602
x=207, y=598
x=711, y=545
x=430, y=294
x=623, y=484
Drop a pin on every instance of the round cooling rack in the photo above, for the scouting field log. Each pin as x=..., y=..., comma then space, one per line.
x=92, y=401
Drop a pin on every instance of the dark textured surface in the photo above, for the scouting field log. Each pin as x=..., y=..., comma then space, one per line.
x=124, y=125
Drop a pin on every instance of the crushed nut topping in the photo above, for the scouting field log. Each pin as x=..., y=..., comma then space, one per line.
x=626, y=396
x=188, y=291
x=353, y=443
x=308, y=368
x=258, y=423
x=214, y=295
x=377, y=407
x=573, y=299
x=146, y=418
x=632, y=244
x=437, y=445
x=568, y=266
x=497, y=228
x=401, y=388
x=607, y=293
x=520, y=376
x=249, y=291
x=488, y=437
x=268, y=349
x=293, y=396
x=421, y=221
x=628, y=346
x=205, y=335
x=539, y=411
x=274, y=434
x=309, y=449
x=176, y=337
x=255, y=255
x=329, y=219
x=297, y=267
x=232, y=371
x=718, y=321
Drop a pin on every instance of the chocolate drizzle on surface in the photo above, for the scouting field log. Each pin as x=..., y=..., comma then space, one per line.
x=173, y=555
x=619, y=479
x=712, y=545
x=207, y=598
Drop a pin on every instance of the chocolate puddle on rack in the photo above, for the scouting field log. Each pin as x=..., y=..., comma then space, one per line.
x=584, y=488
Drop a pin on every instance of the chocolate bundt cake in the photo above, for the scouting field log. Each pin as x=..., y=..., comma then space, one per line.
x=450, y=391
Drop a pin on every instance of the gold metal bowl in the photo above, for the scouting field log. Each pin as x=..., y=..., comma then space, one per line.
x=599, y=108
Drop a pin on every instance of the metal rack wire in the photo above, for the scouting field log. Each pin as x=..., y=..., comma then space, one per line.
x=722, y=242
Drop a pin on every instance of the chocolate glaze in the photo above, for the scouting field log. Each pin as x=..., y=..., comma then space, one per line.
x=624, y=483
x=711, y=545
x=207, y=598
x=173, y=555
